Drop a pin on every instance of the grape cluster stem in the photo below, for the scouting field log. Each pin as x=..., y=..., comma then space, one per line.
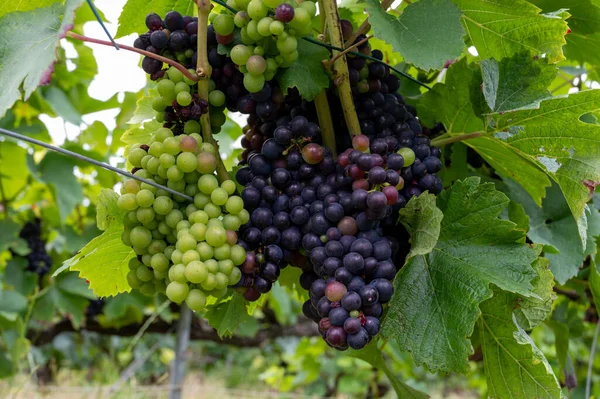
x=348, y=49
x=442, y=141
x=325, y=121
x=340, y=66
x=179, y=67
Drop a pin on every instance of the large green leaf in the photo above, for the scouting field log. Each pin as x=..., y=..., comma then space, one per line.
x=9, y=236
x=514, y=366
x=13, y=168
x=503, y=28
x=56, y=170
x=516, y=82
x=306, y=73
x=533, y=311
x=107, y=210
x=437, y=295
x=12, y=6
x=29, y=47
x=422, y=219
x=226, y=316
x=104, y=262
x=553, y=225
x=132, y=18
x=426, y=45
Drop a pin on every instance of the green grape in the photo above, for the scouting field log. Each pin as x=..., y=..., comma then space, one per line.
x=162, y=205
x=191, y=126
x=184, y=224
x=226, y=266
x=146, y=259
x=190, y=256
x=221, y=280
x=135, y=157
x=229, y=186
x=257, y=9
x=272, y=3
x=171, y=146
x=132, y=279
x=301, y=22
x=160, y=117
x=130, y=186
x=186, y=243
x=217, y=118
x=169, y=251
x=159, y=262
x=171, y=239
x=206, y=251
x=252, y=31
x=177, y=273
x=216, y=98
x=187, y=162
x=241, y=19
x=234, y=205
x=196, y=300
x=145, y=215
x=408, y=155
x=216, y=236
x=188, y=80
x=156, y=246
x=153, y=165
x=133, y=263
x=166, y=88
x=177, y=186
x=139, y=250
x=219, y=196
x=235, y=276
x=198, y=231
x=223, y=24
x=263, y=26
x=146, y=186
x=160, y=275
x=198, y=217
x=127, y=202
x=244, y=216
x=207, y=183
x=254, y=84
x=207, y=147
x=231, y=222
x=212, y=266
x=222, y=252
x=140, y=237
x=238, y=254
x=172, y=218
x=287, y=45
x=196, y=272
x=276, y=28
x=126, y=237
x=201, y=200
x=167, y=160
x=214, y=222
x=144, y=198
x=184, y=98
x=212, y=210
x=182, y=232
x=219, y=293
x=144, y=274
x=175, y=75
x=162, y=173
x=176, y=256
x=156, y=149
x=174, y=173
x=145, y=160
x=242, y=4
x=162, y=134
x=310, y=7
x=182, y=87
x=239, y=55
x=259, y=50
x=210, y=283
x=256, y=65
x=244, y=37
x=177, y=292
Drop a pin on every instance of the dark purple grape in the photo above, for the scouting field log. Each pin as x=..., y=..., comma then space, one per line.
x=337, y=316
x=384, y=288
x=262, y=285
x=159, y=39
x=153, y=21
x=151, y=66
x=354, y=262
x=284, y=12
x=336, y=336
x=352, y=325
x=358, y=340
x=351, y=301
x=173, y=21
x=368, y=295
x=371, y=325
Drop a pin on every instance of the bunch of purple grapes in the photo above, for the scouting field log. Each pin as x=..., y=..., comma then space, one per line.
x=38, y=260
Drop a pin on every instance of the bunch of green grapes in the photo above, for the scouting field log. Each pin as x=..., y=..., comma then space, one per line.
x=187, y=250
x=179, y=107
x=268, y=31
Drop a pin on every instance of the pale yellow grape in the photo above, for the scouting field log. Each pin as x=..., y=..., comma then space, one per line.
x=127, y=202
x=212, y=210
x=210, y=283
x=206, y=251
x=190, y=256
x=196, y=272
x=177, y=256
x=186, y=243
x=177, y=273
x=212, y=266
x=159, y=262
x=221, y=280
x=222, y=252
x=198, y=231
x=187, y=162
x=226, y=266
x=130, y=186
x=177, y=292
x=196, y=300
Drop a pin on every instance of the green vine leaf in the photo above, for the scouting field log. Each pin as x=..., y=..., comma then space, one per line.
x=132, y=17
x=306, y=73
x=426, y=45
x=38, y=32
x=516, y=82
x=533, y=311
x=437, y=295
x=225, y=317
x=13, y=158
x=422, y=219
x=503, y=28
x=514, y=366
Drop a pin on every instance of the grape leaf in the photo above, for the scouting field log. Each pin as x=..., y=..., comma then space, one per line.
x=107, y=210
x=25, y=33
x=14, y=159
x=553, y=225
x=9, y=235
x=503, y=28
x=57, y=171
x=514, y=366
x=533, y=311
x=143, y=108
x=226, y=316
x=422, y=219
x=595, y=283
x=132, y=18
x=306, y=73
x=425, y=45
x=374, y=356
x=436, y=296
x=516, y=82
x=104, y=262
x=65, y=303
x=22, y=6
x=12, y=302
x=123, y=309
x=140, y=133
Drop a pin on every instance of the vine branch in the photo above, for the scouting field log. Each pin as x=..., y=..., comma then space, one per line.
x=341, y=78
x=325, y=121
x=204, y=70
x=349, y=49
x=453, y=139
x=177, y=65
